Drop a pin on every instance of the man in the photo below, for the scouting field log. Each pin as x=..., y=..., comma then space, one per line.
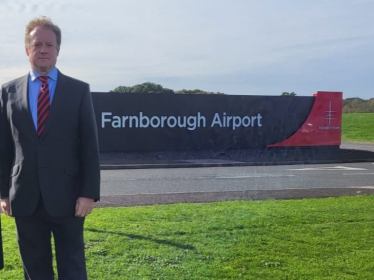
x=49, y=159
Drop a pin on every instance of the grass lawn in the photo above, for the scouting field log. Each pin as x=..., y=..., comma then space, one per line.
x=358, y=127
x=330, y=238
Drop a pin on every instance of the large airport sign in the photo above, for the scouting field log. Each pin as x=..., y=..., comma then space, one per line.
x=160, y=122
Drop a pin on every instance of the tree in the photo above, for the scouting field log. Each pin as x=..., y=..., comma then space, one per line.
x=147, y=87
x=196, y=91
x=357, y=105
x=286, y=93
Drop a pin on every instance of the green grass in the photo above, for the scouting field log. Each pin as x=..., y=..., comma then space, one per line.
x=358, y=127
x=330, y=238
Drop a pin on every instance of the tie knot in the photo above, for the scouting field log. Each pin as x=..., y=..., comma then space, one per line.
x=43, y=79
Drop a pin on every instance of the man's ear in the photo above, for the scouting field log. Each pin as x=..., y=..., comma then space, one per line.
x=27, y=50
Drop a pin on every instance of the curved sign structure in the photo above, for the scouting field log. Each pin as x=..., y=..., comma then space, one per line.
x=323, y=125
x=164, y=122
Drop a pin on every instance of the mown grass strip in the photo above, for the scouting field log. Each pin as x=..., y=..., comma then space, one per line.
x=331, y=238
x=358, y=127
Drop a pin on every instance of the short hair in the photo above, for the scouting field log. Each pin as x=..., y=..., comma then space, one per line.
x=45, y=22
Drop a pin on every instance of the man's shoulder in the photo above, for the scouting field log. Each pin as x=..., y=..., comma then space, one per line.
x=69, y=79
x=16, y=81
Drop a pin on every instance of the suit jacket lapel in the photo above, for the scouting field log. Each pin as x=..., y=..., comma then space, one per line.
x=57, y=103
x=23, y=98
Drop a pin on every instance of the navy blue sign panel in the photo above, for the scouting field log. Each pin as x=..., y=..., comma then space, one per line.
x=173, y=122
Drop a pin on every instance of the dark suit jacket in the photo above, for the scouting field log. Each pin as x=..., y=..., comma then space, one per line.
x=60, y=165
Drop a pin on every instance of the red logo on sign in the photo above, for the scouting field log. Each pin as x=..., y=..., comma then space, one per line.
x=323, y=125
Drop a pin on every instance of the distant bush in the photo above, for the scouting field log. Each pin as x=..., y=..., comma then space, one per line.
x=358, y=105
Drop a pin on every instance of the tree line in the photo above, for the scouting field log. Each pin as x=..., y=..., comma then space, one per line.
x=149, y=87
x=358, y=105
x=350, y=105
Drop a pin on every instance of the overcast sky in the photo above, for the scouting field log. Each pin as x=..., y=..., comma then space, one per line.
x=243, y=47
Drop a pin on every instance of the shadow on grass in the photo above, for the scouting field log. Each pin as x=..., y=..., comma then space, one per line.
x=141, y=237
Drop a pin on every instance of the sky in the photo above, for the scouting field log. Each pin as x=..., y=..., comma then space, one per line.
x=238, y=47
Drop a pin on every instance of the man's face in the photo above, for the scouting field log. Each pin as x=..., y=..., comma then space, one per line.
x=42, y=49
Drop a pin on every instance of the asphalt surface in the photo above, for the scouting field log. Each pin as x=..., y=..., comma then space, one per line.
x=348, y=153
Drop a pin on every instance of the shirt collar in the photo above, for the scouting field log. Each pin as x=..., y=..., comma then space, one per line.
x=52, y=74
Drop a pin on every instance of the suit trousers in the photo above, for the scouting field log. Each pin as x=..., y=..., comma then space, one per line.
x=35, y=244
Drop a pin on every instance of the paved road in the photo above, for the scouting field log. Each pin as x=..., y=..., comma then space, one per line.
x=158, y=181
x=149, y=186
x=358, y=146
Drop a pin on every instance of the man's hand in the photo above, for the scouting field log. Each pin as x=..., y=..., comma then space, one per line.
x=84, y=206
x=5, y=206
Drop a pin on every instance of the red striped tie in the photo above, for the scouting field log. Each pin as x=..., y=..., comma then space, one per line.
x=43, y=104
